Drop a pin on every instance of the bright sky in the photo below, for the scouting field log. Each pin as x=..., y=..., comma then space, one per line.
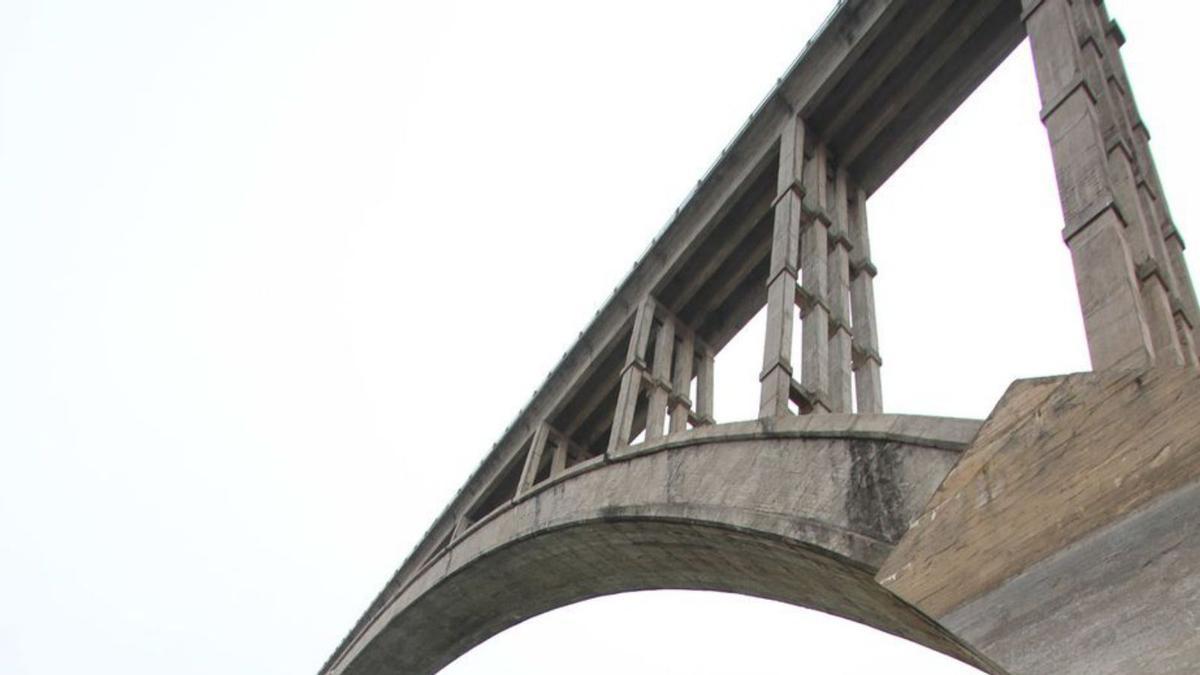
x=275, y=275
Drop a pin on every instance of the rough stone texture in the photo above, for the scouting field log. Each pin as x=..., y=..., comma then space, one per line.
x=788, y=509
x=1067, y=530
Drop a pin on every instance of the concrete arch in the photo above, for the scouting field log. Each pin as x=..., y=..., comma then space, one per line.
x=736, y=508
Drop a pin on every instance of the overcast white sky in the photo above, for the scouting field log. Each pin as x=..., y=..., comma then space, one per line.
x=274, y=276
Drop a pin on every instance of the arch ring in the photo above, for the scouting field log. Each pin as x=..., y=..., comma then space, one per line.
x=801, y=510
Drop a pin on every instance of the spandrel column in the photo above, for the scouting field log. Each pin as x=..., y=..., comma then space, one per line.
x=841, y=387
x=681, y=383
x=705, y=383
x=868, y=389
x=814, y=254
x=776, y=375
x=533, y=460
x=631, y=377
x=656, y=410
x=1105, y=273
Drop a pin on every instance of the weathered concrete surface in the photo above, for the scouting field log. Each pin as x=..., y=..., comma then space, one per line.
x=1123, y=600
x=1138, y=303
x=797, y=509
x=1066, y=539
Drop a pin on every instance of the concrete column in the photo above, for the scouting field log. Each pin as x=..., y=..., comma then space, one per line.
x=1106, y=274
x=814, y=358
x=1154, y=201
x=1171, y=263
x=1124, y=172
x=704, y=387
x=681, y=382
x=776, y=375
x=840, y=337
x=558, y=463
x=1184, y=306
x=656, y=413
x=631, y=377
x=1170, y=269
x=1187, y=317
x=534, y=458
x=867, y=387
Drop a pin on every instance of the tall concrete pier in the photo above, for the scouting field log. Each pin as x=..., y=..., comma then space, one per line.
x=1060, y=535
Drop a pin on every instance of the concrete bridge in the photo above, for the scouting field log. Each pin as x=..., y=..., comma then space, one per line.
x=949, y=533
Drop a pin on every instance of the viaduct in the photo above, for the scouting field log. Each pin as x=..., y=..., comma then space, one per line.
x=1061, y=535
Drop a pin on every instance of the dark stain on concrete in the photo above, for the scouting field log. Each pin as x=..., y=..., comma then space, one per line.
x=874, y=504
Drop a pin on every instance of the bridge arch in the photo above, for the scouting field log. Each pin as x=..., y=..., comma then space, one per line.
x=734, y=508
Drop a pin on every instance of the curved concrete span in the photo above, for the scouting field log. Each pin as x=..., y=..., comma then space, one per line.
x=802, y=510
